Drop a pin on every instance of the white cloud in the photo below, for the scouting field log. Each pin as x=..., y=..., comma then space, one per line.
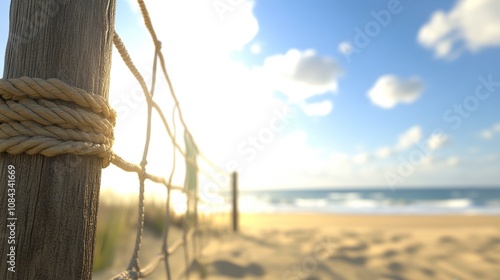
x=367, y=167
x=202, y=30
x=432, y=163
x=345, y=47
x=473, y=150
x=383, y=152
x=428, y=161
x=197, y=46
x=198, y=57
x=409, y=138
x=486, y=134
x=496, y=127
x=278, y=165
x=322, y=108
x=487, y=159
x=202, y=70
x=317, y=167
x=388, y=91
x=490, y=132
x=437, y=141
x=453, y=161
x=300, y=75
x=471, y=25
x=255, y=48
x=360, y=158
x=338, y=159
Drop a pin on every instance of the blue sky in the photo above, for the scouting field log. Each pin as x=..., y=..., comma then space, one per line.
x=372, y=88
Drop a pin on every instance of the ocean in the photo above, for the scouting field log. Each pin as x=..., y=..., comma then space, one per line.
x=471, y=200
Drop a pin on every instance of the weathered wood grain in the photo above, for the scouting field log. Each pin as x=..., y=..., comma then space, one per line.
x=56, y=198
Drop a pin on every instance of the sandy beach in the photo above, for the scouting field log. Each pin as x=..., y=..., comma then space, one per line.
x=340, y=247
x=313, y=246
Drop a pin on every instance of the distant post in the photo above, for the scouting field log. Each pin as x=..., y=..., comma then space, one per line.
x=234, y=180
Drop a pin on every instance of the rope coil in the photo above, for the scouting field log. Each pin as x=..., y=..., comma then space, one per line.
x=31, y=123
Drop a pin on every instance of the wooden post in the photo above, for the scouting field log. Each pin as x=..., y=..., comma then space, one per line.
x=56, y=198
x=234, y=182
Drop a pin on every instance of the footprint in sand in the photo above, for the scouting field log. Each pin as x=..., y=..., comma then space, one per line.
x=376, y=237
x=413, y=248
x=389, y=253
x=396, y=266
x=448, y=240
x=427, y=271
x=236, y=254
x=400, y=237
x=450, y=243
x=233, y=270
x=352, y=252
x=358, y=247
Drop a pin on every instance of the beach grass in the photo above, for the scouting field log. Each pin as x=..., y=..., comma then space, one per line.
x=116, y=221
x=113, y=223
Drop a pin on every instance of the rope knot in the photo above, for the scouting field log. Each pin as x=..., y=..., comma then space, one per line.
x=30, y=122
x=158, y=46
